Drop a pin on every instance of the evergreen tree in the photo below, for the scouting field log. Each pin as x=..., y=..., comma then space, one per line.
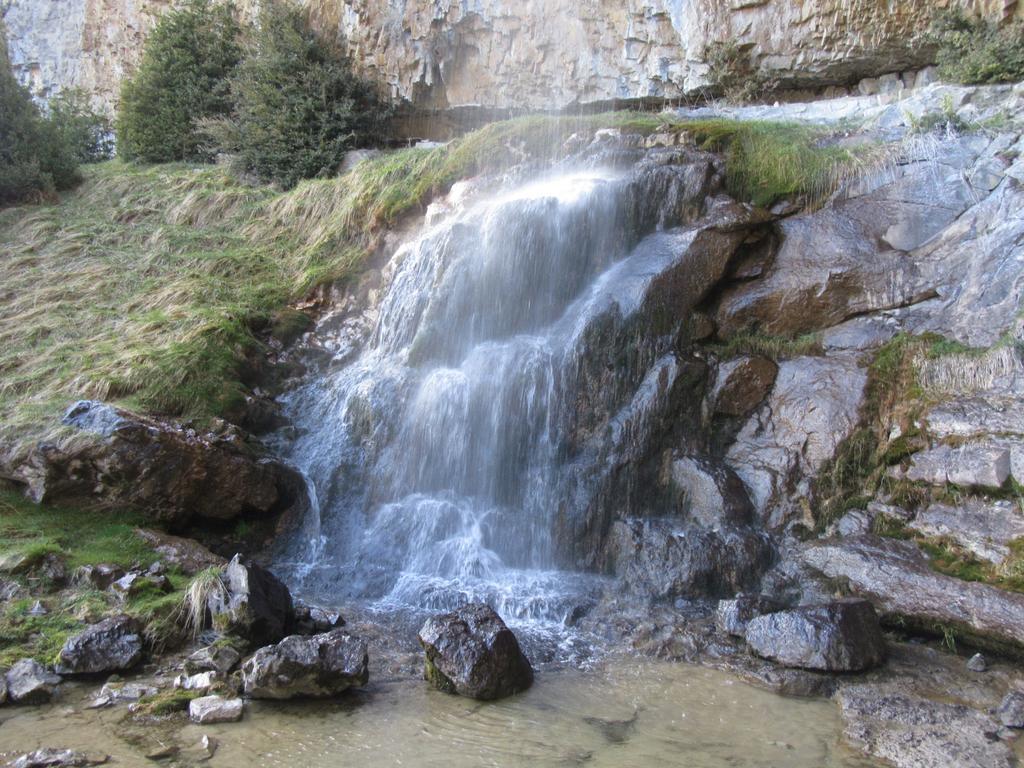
x=181, y=80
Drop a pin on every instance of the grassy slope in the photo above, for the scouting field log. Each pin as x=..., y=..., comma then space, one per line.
x=143, y=286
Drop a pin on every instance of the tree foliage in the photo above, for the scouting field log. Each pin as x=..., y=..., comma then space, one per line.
x=298, y=104
x=35, y=161
x=86, y=132
x=975, y=50
x=182, y=79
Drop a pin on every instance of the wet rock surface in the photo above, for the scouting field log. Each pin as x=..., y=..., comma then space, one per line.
x=112, y=645
x=208, y=710
x=911, y=732
x=842, y=636
x=321, y=666
x=473, y=653
x=668, y=559
x=733, y=616
x=29, y=682
x=58, y=758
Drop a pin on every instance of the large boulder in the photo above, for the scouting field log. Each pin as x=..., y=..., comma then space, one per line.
x=471, y=652
x=170, y=472
x=186, y=555
x=321, y=666
x=814, y=406
x=254, y=605
x=896, y=577
x=733, y=616
x=112, y=645
x=841, y=636
x=29, y=682
x=665, y=559
x=907, y=731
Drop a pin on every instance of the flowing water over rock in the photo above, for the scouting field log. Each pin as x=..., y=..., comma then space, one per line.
x=515, y=363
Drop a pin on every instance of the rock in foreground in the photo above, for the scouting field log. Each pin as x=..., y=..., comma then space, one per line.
x=897, y=578
x=112, y=645
x=255, y=606
x=471, y=652
x=58, y=758
x=910, y=732
x=215, y=709
x=320, y=666
x=842, y=636
x=29, y=682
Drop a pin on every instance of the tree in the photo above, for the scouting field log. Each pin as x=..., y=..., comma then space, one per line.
x=86, y=132
x=34, y=159
x=299, y=106
x=182, y=79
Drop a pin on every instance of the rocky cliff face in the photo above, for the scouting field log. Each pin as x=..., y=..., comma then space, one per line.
x=532, y=54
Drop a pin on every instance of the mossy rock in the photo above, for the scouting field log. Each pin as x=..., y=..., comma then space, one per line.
x=437, y=678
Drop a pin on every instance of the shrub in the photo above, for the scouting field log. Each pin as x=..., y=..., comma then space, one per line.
x=34, y=159
x=732, y=75
x=84, y=131
x=181, y=80
x=975, y=50
x=298, y=104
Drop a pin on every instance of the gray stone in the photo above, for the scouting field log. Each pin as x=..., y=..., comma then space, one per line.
x=29, y=682
x=975, y=416
x=841, y=636
x=127, y=691
x=201, y=681
x=910, y=732
x=814, y=406
x=712, y=493
x=112, y=645
x=732, y=616
x=971, y=466
x=207, y=710
x=184, y=554
x=984, y=528
x=256, y=606
x=1011, y=710
x=58, y=758
x=663, y=559
x=472, y=653
x=313, y=620
x=320, y=666
x=896, y=577
x=97, y=576
x=215, y=658
x=854, y=522
x=977, y=663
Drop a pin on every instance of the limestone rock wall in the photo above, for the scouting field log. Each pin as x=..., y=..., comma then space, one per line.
x=515, y=53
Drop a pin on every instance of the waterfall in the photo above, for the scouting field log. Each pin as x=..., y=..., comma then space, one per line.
x=447, y=455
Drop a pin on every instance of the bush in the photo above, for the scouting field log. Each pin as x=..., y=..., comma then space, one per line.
x=86, y=132
x=298, y=104
x=732, y=75
x=34, y=159
x=977, y=51
x=181, y=80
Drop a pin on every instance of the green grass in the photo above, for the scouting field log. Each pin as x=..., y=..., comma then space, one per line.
x=148, y=285
x=83, y=537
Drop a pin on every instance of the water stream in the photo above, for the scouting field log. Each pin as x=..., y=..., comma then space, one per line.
x=449, y=455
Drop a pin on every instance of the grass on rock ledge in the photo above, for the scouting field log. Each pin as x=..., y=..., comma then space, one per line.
x=144, y=286
x=29, y=533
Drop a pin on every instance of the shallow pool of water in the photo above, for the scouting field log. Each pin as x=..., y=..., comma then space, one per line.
x=628, y=712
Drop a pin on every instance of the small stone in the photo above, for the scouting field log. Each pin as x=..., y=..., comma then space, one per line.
x=1011, y=710
x=127, y=691
x=112, y=645
x=58, y=758
x=203, y=681
x=163, y=752
x=215, y=709
x=977, y=663
x=214, y=658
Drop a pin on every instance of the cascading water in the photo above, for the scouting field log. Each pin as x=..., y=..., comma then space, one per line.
x=447, y=452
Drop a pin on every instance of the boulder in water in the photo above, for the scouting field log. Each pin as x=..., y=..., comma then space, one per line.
x=29, y=682
x=207, y=710
x=320, y=666
x=471, y=652
x=50, y=757
x=841, y=636
x=112, y=645
x=255, y=605
x=732, y=616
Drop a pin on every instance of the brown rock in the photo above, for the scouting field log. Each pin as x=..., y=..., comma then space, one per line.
x=742, y=384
